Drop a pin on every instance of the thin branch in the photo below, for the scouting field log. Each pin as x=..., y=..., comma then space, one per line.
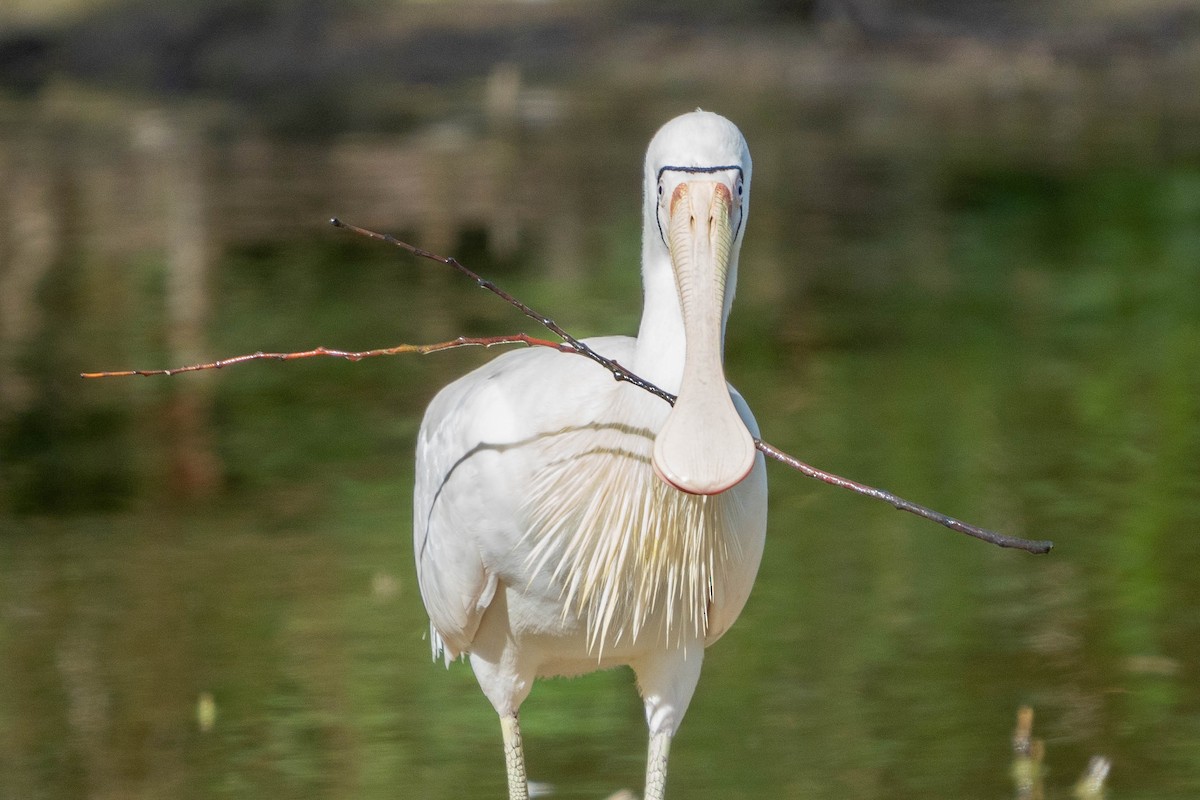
x=618, y=371
x=900, y=504
x=571, y=344
x=422, y=349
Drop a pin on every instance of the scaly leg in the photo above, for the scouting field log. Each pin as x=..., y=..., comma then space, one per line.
x=514, y=757
x=656, y=765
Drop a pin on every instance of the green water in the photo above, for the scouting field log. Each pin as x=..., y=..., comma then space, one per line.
x=1022, y=354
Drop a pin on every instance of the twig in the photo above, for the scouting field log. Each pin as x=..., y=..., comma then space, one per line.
x=900, y=504
x=422, y=349
x=571, y=344
x=618, y=371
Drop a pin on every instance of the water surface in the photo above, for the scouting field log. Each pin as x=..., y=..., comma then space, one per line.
x=1013, y=346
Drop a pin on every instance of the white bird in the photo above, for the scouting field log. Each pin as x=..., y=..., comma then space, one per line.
x=565, y=522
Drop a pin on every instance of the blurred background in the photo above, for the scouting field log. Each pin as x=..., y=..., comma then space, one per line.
x=971, y=276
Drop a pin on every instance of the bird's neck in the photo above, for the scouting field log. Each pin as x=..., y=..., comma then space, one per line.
x=661, y=341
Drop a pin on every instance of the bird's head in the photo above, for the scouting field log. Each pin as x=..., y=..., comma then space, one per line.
x=697, y=199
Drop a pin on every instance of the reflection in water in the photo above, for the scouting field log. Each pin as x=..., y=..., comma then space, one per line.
x=1007, y=335
x=29, y=248
x=194, y=467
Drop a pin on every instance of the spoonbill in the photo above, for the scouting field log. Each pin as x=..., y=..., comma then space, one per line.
x=565, y=522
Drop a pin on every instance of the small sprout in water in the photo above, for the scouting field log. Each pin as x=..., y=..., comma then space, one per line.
x=1091, y=783
x=206, y=712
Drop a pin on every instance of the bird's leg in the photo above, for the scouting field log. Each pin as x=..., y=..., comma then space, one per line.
x=514, y=757
x=666, y=680
x=656, y=765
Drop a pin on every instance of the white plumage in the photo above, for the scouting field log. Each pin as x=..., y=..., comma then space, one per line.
x=565, y=522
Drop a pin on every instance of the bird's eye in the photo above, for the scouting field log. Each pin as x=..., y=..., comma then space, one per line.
x=660, y=189
x=739, y=187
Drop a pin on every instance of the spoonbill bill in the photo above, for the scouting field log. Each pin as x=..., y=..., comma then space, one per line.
x=565, y=522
